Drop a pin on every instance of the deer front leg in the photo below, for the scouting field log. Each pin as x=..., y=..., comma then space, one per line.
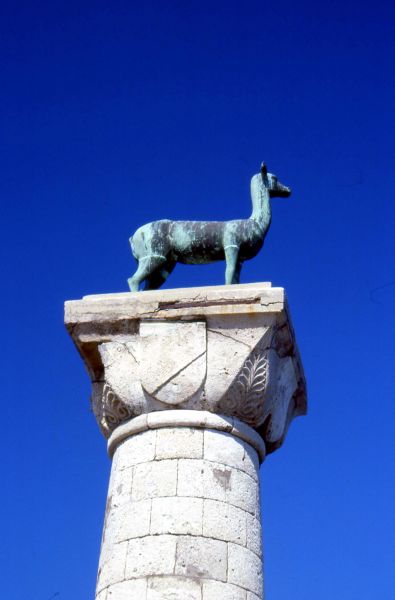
x=232, y=271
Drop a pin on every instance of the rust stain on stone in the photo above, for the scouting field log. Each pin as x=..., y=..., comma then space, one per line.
x=223, y=478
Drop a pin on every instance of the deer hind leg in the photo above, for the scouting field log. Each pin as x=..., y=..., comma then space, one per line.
x=236, y=277
x=147, y=266
x=233, y=265
x=158, y=277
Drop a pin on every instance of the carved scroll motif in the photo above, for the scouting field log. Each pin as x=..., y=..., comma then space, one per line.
x=109, y=410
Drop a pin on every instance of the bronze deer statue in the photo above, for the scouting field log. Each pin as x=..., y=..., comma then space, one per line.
x=158, y=246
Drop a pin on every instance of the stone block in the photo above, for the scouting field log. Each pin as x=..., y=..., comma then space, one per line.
x=134, y=589
x=244, y=569
x=179, y=442
x=153, y=555
x=254, y=534
x=102, y=595
x=250, y=436
x=201, y=558
x=230, y=450
x=223, y=448
x=202, y=479
x=109, y=537
x=136, y=449
x=216, y=590
x=120, y=490
x=173, y=588
x=177, y=516
x=133, y=520
x=112, y=571
x=154, y=479
x=251, y=461
x=243, y=491
x=225, y=522
x=114, y=469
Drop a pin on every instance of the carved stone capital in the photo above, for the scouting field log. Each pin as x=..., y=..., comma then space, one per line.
x=228, y=350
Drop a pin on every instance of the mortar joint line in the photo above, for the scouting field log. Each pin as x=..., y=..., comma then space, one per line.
x=126, y=560
x=150, y=515
x=190, y=535
x=162, y=575
x=155, y=443
x=195, y=458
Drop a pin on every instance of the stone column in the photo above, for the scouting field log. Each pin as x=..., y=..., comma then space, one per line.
x=191, y=387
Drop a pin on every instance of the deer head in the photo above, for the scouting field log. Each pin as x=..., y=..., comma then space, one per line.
x=271, y=183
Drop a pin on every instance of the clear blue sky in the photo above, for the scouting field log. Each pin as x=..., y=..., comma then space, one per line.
x=113, y=114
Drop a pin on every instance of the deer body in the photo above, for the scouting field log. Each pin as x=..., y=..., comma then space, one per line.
x=159, y=245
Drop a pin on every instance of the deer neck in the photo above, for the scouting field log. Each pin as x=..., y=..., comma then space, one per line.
x=261, y=211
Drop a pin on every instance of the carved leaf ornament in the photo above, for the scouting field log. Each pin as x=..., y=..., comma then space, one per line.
x=245, y=397
x=252, y=380
x=253, y=375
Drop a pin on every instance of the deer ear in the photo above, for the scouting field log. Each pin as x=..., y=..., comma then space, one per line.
x=263, y=169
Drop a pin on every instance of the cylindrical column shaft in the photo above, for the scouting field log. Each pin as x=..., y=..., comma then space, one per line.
x=182, y=518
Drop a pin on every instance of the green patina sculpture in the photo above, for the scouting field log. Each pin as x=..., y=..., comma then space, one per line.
x=158, y=246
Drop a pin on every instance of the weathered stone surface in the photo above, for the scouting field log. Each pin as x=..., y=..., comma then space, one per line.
x=109, y=537
x=244, y=569
x=177, y=515
x=224, y=448
x=251, y=460
x=224, y=522
x=243, y=491
x=112, y=571
x=170, y=303
x=120, y=488
x=216, y=590
x=133, y=520
x=254, y=534
x=173, y=588
x=168, y=375
x=128, y=590
x=179, y=442
x=154, y=479
x=201, y=558
x=153, y=555
x=139, y=449
x=203, y=479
